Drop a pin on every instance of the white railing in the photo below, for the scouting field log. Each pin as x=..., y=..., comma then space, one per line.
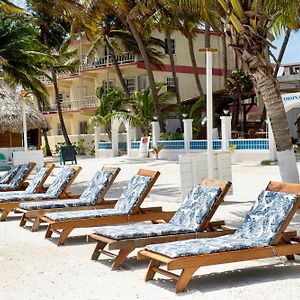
x=46, y=80
x=86, y=102
x=104, y=61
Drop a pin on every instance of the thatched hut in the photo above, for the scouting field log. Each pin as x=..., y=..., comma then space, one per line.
x=11, y=120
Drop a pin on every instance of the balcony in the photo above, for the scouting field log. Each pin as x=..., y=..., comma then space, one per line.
x=88, y=102
x=106, y=61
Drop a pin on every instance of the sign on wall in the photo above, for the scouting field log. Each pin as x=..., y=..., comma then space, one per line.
x=144, y=147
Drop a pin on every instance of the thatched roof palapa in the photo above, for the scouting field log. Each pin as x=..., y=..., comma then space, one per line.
x=11, y=112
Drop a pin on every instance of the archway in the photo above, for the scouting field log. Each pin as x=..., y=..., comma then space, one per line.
x=125, y=127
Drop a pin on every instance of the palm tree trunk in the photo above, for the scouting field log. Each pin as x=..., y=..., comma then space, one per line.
x=279, y=59
x=194, y=64
x=173, y=67
x=119, y=73
x=267, y=85
x=48, y=150
x=145, y=57
x=225, y=61
x=59, y=110
x=174, y=74
x=207, y=35
x=282, y=50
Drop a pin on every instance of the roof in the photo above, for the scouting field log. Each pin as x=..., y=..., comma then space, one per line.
x=11, y=112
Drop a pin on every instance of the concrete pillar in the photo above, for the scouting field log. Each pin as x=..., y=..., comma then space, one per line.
x=130, y=133
x=115, y=138
x=226, y=131
x=272, y=145
x=155, y=133
x=97, y=139
x=187, y=133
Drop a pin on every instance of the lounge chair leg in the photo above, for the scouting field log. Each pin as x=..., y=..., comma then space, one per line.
x=184, y=279
x=63, y=236
x=290, y=257
x=23, y=220
x=123, y=253
x=36, y=224
x=100, y=246
x=4, y=214
x=150, y=272
x=49, y=232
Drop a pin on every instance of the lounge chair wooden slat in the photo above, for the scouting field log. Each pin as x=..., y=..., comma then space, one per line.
x=214, y=228
x=31, y=215
x=7, y=207
x=138, y=214
x=283, y=244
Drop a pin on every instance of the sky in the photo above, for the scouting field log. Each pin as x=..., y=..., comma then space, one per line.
x=292, y=54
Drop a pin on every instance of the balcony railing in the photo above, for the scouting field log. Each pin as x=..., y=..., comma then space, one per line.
x=105, y=61
x=88, y=102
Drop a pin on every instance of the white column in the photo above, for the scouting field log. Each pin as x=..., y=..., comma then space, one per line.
x=209, y=114
x=97, y=139
x=155, y=133
x=187, y=133
x=226, y=131
x=272, y=145
x=25, y=144
x=130, y=133
x=114, y=138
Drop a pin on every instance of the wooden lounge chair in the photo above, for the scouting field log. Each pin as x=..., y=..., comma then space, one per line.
x=261, y=235
x=191, y=219
x=91, y=198
x=58, y=189
x=8, y=175
x=127, y=209
x=18, y=181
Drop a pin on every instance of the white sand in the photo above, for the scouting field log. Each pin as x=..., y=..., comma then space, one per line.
x=34, y=268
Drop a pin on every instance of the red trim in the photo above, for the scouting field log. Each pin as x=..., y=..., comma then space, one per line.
x=183, y=69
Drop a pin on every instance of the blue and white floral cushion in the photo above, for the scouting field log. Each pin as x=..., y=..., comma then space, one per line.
x=190, y=215
x=90, y=195
x=258, y=229
x=127, y=201
x=9, y=175
x=196, y=206
x=54, y=190
x=19, y=177
x=32, y=187
x=60, y=182
x=36, y=180
x=132, y=193
x=94, y=190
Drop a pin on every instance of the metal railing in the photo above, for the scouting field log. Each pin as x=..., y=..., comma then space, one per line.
x=86, y=103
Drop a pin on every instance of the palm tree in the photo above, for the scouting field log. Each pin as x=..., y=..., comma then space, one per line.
x=142, y=110
x=237, y=84
x=249, y=25
x=109, y=102
x=53, y=19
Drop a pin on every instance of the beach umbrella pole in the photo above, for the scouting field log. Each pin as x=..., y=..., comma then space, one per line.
x=25, y=143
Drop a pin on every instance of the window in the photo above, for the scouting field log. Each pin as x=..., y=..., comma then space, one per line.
x=130, y=82
x=108, y=85
x=142, y=82
x=170, y=85
x=61, y=97
x=172, y=46
x=59, y=130
x=82, y=127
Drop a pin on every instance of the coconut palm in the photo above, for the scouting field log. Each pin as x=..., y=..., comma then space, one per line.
x=142, y=110
x=237, y=84
x=249, y=25
x=109, y=102
x=53, y=20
